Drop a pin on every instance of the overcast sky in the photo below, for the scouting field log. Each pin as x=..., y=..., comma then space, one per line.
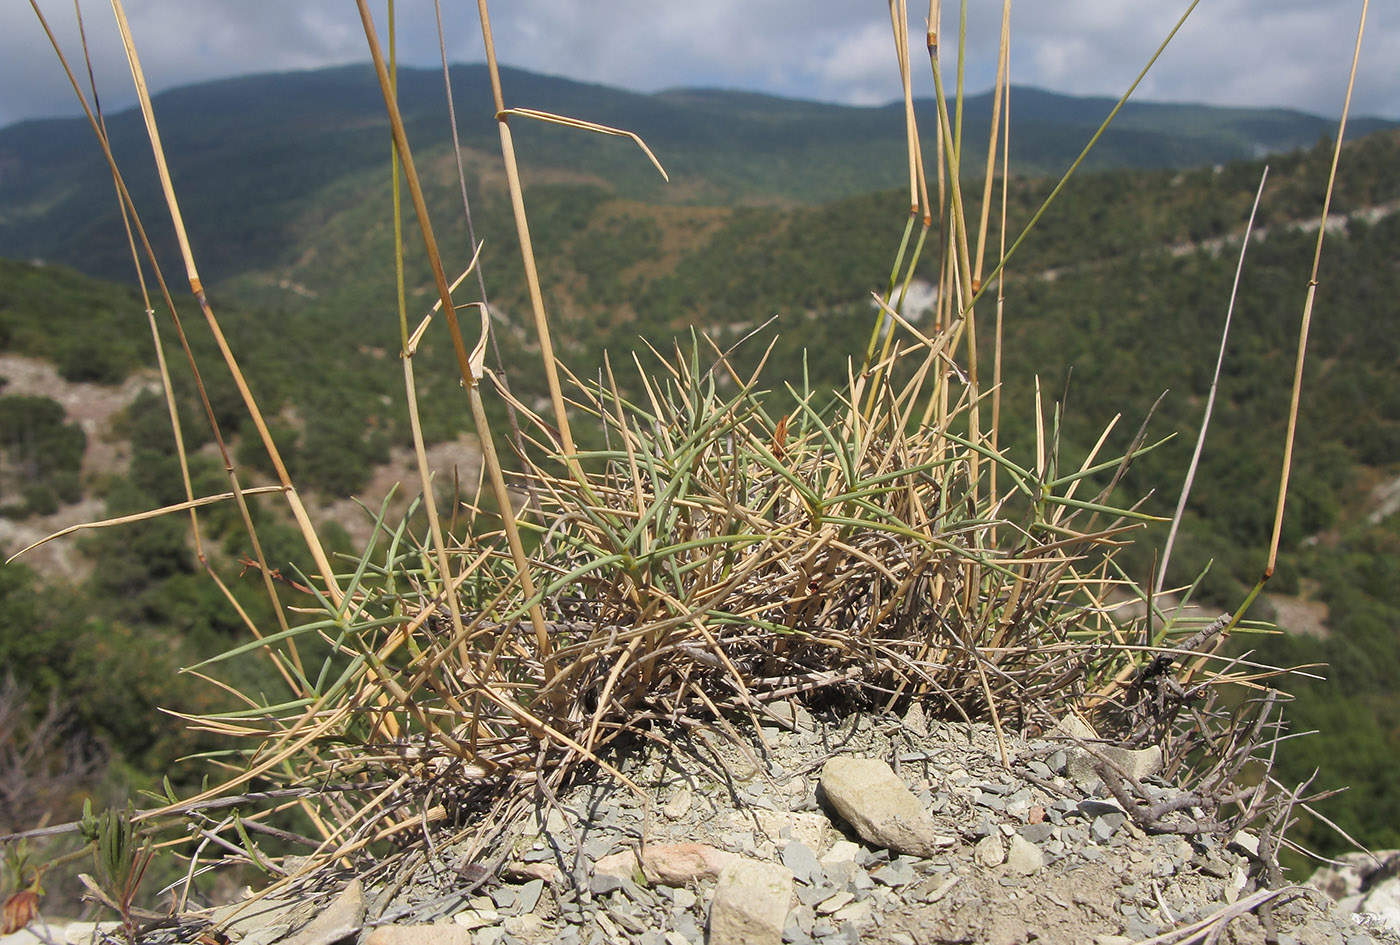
x=1291, y=53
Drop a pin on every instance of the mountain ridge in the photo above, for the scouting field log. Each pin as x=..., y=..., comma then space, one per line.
x=247, y=152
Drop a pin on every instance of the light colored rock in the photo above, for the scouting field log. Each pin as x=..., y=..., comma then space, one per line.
x=263, y=936
x=942, y=889
x=842, y=851
x=1366, y=885
x=857, y=913
x=798, y=717
x=751, y=903
x=679, y=864
x=1075, y=727
x=1023, y=856
x=527, y=928
x=442, y=933
x=873, y=800
x=1355, y=871
x=1244, y=841
x=243, y=920
x=84, y=933
x=476, y=918
x=555, y=823
x=990, y=851
x=40, y=932
x=679, y=804
x=915, y=721
x=525, y=872
x=805, y=827
x=342, y=919
x=609, y=928
x=1137, y=763
x=553, y=827
x=666, y=864
x=622, y=864
x=1383, y=903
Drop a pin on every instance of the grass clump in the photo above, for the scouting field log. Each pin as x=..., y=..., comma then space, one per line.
x=726, y=550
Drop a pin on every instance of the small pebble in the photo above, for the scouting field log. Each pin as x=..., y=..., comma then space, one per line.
x=799, y=858
x=679, y=804
x=1106, y=825
x=898, y=872
x=529, y=895
x=1035, y=833
x=989, y=851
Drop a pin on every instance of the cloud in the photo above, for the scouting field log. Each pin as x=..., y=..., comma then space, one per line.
x=179, y=43
x=1289, y=53
x=860, y=65
x=1286, y=53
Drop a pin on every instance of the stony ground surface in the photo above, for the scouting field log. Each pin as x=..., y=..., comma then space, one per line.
x=1025, y=854
x=744, y=845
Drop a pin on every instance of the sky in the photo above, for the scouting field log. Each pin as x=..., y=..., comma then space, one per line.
x=1288, y=53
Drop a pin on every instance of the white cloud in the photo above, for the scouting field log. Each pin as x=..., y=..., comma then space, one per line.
x=860, y=65
x=1291, y=53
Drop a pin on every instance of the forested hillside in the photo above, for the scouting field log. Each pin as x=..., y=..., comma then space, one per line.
x=252, y=153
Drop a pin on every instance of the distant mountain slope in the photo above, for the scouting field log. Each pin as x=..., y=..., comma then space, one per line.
x=251, y=153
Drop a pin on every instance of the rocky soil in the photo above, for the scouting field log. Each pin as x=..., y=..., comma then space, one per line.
x=870, y=830
x=865, y=830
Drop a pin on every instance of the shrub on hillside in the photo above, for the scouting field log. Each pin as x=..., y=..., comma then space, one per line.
x=41, y=454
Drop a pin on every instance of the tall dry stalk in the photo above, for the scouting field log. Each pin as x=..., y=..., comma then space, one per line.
x=882, y=333
x=522, y=228
x=1092, y=143
x=1161, y=578
x=308, y=531
x=469, y=365
x=1295, y=397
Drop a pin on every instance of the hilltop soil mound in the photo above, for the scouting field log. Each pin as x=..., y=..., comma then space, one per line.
x=740, y=841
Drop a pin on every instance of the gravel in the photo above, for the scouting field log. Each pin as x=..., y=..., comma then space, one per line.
x=1051, y=858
